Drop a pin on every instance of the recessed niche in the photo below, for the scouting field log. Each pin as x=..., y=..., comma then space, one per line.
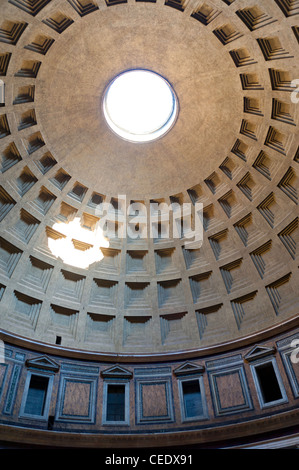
x=24, y=182
x=137, y=295
x=235, y=276
x=83, y=7
x=100, y=329
x=290, y=237
x=214, y=183
x=46, y=163
x=245, y=308
x=27, y=119
x=4, y=63
x=2, y=290
x=251, y=81
x=281, y=80
x=111, y=261
x=230, y=204
x=70, y=286
x=117, y=206
x=266, y=165
x=223, y=244
x=196, y=194
x=229, y=168
x=28, y=69
x=249, y=129
x=194, y=258
x=60, y=179
x=34, y=142
x=115, y=2
x=10, y=32
x=268, y=259
x=136, y=233
x=241, y=150
x=160, y=231
x=165, y=261
x=54, y=234
x=228, y=2
x=288, y=7
x=272, y=49
x=43, y=202
x=4, y=126
x=177, y=202
x=6, y=203
x=283, y=295
x=174, y=328
x=28, y=307
x=24, y=94
x=25, y=227
x=242, y=57
x=114, y=231
x=41, y=44
x=9, y=257
x=33, y=7
x=177, y=4
x=248, y=229
x=38, y=274
x=227, y=33
x=59, y=22
x=254, y=17
x=281, y=111
x=296, y=32
x=66, y=213
x=63, y=320
x=170, y=293
x=89, y=222
x=277, y=140
x=137, y=262
x=103, y=293
x=202, y=287
x=137, y=332
x=158, y=207
x=78, y=192
x=274, y=209
x=95, y=200
x=249, y=187
x=289, y=184
x=210, y=217
x=252, y=106
x=209, y=322
x=205, y=13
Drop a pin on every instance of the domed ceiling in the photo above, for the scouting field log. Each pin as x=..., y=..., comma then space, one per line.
x=233, y=65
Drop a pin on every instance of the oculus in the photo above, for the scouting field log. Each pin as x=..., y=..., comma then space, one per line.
x=140, y=105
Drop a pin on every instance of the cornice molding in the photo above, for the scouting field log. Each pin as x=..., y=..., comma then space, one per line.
x=220, y=348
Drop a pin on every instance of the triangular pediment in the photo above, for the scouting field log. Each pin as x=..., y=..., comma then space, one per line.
x=43, y=362
x=189, y=368
x=117, y=372
x=259, y=351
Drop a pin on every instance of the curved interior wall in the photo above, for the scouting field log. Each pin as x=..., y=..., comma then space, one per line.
x=233, y=413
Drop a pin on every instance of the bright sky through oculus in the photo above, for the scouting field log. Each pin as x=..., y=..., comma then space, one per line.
x=65, y=246
x=140, y=106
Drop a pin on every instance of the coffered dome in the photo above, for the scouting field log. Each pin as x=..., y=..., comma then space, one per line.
x=233, y=66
